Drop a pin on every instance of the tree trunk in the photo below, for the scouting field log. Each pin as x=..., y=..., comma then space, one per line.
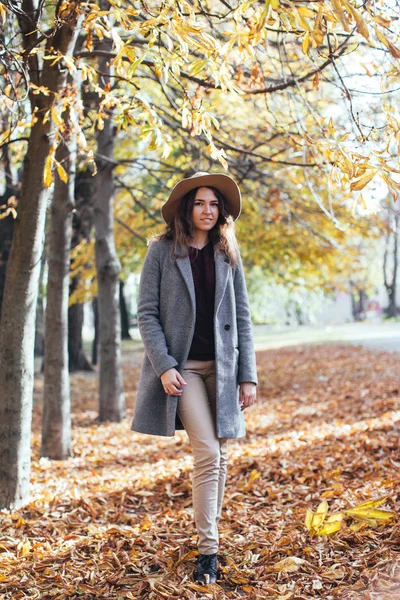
x=77, y=357
x=95, y=346
x=391, y=282
x=7, y=223
x=81, y=225
x=6, y=235
x=125, y=335
x=112, y=403
x=20, y=294
x=39, y=322
x=56, y=424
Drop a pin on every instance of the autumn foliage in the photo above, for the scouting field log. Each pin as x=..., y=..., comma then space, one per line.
x=115, y=521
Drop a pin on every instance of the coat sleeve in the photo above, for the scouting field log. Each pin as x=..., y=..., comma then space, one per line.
x=247, y=357
x=148, y=313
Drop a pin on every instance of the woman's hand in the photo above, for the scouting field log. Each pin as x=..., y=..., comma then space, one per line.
x=172, y=382
x=247, y=394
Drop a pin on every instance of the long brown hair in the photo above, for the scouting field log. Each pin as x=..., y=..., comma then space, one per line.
x=181, y=229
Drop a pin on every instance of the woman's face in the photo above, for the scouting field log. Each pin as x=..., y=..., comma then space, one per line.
x=205, y=209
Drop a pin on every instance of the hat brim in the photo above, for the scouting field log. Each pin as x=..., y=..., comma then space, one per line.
x=223, y=183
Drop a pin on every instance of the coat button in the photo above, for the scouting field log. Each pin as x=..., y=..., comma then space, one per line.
x=227, y=327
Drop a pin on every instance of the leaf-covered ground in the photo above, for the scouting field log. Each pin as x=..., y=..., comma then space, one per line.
x=115, y=521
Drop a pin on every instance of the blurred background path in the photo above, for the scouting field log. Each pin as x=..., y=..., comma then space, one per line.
x=382, y=335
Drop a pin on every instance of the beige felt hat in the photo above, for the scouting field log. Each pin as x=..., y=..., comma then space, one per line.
x=223, y=183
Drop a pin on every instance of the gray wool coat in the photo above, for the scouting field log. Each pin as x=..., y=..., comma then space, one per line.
x=166, y=318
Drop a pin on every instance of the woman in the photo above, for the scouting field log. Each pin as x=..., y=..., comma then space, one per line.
x=199, y=368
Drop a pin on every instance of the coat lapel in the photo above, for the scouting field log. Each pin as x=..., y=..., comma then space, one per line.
x=221, y=277
x=183, y=263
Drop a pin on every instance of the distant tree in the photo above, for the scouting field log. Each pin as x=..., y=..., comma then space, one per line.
x=391, y=260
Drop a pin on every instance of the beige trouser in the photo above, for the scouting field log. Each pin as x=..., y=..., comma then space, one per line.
x=196, y=410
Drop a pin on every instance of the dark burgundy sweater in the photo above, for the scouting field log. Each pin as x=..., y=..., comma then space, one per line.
x=203, y=269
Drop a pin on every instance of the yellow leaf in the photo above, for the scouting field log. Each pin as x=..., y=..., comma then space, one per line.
x=254, y=475
x=5, y=134
x=371, y=513
x=96, y=15
x=319, y=516
x=329, y=528
x=69, y=61
x=56, y=117
x=135, y=65
x=394, y=185
x=309, y=519
x=3, y=13
x=146, y=524
x=371, y=503
x=48, y=171
x=319, y=30
x=306, y=12
x=392, y=48
x=201, y=588
x=358, y=525
x=25, y=548
x=344, y=137
x=197, y=66
x=302, y=20
x=362, y=27
x=339, y=12
x=381, y=21
x=306, y=43
x=62, y=173
x=360, y=183
x=334, y=518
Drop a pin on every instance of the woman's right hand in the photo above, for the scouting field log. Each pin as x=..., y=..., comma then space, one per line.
x=172, y=382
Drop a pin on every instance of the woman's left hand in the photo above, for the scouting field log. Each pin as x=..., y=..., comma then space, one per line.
x=247, y=394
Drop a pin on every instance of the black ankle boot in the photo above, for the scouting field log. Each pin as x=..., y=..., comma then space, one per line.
x=207, y=568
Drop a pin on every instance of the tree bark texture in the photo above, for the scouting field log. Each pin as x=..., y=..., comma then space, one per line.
x=82, y=224
x=6, y=224
x=6, y=235
x=56, y=423
x=95, y=345
x=21, y=288
x=112, y=403
x=125, y=335
x=39, y=323
x=391, y=281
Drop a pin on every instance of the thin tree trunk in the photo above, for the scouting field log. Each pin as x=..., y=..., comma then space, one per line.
x=392, y=291
x=391, y=282
x=77, y=357
x=125, y=335
x=95, y=346
x=112, y=403
x=39, y=322
x=56, y=424
x=82, y=224
x=6, y=224
x=17, y=329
